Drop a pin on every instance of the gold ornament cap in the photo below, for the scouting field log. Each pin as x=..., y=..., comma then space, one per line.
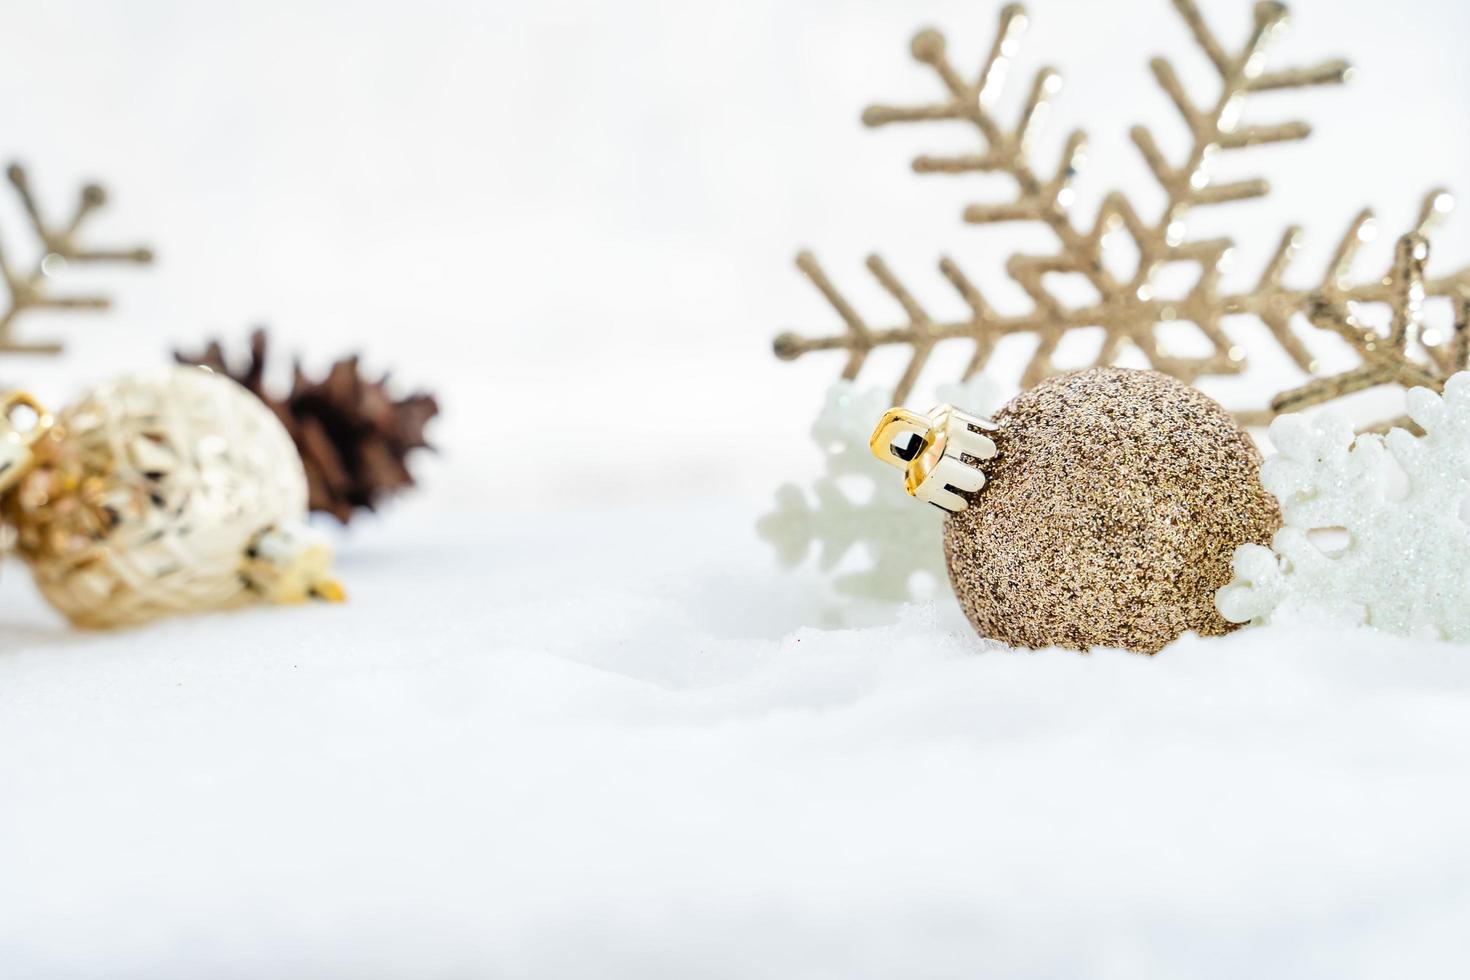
x=939, y=453
x=16, y=442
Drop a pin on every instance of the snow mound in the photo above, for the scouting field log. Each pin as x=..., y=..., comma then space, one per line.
x=653, y=770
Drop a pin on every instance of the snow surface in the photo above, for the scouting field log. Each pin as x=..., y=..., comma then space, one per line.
x=606, y=746
x=611, y=743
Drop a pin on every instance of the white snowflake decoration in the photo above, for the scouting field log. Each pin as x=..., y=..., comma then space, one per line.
x=858, y=504
x=1363, y=542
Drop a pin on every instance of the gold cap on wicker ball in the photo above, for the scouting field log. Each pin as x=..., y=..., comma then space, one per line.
x=17, y=442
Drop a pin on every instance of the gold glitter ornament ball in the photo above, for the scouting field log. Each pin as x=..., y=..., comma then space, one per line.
x=1110, y=514
x=175, y=491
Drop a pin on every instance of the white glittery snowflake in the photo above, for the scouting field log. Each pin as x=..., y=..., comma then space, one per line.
x=858, y=504
x=1374, y=527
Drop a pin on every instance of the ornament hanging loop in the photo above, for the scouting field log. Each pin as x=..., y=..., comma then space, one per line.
x=16, y=441
x=897, y=422
x=941, y=455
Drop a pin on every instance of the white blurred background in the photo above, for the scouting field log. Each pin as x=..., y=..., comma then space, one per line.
x=614, y=746
x=575, y=220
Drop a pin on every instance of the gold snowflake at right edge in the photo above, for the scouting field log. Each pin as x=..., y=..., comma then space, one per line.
x=1129, y=310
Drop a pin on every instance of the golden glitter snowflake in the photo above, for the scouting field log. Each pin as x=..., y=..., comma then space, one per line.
x=1130, y=311
x=1405, y=354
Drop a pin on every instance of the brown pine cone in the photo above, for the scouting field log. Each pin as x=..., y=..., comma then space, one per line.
x=353, y=437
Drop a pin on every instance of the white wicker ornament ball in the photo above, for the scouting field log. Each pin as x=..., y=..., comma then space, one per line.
x=163, y=493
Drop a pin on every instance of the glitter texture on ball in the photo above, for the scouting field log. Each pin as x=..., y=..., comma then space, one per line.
x=1110, y=516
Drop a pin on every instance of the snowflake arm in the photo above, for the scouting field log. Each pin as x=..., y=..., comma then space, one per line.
x=1127, y=309
x=1406, y=355
x=29, y=287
